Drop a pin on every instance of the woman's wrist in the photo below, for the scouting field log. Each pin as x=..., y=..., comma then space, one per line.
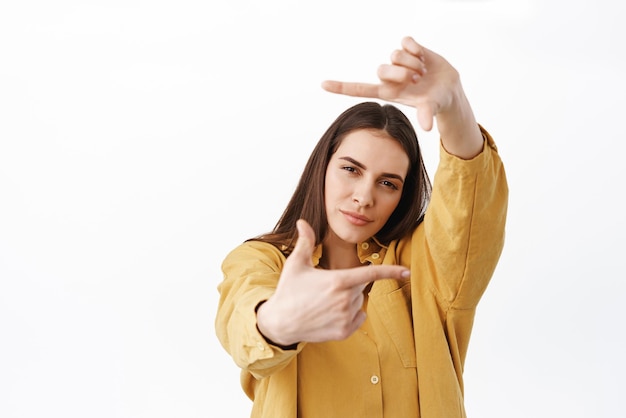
x=263, y=324
x=458, y=128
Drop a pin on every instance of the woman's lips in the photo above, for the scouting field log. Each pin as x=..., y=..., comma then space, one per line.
x=356, y=218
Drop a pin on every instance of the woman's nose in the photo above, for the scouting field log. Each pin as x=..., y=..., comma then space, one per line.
x=363, y=196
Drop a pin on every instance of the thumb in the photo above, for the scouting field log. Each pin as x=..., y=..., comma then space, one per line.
x=425, y=115
x=305, y=244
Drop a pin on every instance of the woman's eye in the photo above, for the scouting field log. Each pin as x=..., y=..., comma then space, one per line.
x=349, y=169
x=389, y=184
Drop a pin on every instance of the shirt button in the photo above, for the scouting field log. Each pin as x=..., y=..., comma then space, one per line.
x=365, y=245
x=375, y=256
x=260, y=346
x=374, y=379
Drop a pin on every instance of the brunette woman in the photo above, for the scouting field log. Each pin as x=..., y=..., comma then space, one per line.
x=360, y=302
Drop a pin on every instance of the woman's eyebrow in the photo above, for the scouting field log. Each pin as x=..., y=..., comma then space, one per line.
x=362, y=166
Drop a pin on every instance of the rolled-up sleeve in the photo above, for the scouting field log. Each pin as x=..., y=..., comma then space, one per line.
x=464, y=226
x=251, y=272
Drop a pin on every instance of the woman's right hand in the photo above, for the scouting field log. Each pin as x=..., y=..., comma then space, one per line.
x=314, y=305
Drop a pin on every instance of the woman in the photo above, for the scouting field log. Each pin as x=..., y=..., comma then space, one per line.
x=360, y=302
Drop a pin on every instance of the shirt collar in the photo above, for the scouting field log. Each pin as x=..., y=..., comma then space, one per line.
x=370, y=251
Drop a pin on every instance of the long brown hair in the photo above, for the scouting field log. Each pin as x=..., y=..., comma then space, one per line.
x=307, y=202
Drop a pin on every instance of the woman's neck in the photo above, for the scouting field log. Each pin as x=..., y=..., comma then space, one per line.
x=338, y=254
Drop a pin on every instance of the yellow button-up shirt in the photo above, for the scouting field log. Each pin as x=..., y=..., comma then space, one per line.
x=407, y=359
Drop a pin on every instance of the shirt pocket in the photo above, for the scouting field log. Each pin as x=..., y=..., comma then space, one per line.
x=394, y=311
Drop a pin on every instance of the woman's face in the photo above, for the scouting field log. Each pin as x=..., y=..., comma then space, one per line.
x=364, y=181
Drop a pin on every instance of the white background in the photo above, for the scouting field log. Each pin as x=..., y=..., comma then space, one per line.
x=142, y=140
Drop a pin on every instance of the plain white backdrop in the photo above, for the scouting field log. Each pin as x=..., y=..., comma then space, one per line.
x=142, y=140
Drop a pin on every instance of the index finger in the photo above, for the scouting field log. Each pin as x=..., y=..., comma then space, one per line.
x=351, y=89
x=360, y=276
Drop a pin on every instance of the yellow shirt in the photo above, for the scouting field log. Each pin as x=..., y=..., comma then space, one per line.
x=407, y=358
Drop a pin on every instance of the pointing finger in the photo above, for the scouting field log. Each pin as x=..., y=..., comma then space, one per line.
x=351, y=89
x=361, y=276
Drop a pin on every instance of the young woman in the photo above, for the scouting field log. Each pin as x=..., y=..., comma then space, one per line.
x=360, y=302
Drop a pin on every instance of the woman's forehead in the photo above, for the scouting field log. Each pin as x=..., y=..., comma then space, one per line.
x=375, y=148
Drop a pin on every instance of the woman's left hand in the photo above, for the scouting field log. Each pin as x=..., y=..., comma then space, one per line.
x=423, y=79
x=416, y=77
